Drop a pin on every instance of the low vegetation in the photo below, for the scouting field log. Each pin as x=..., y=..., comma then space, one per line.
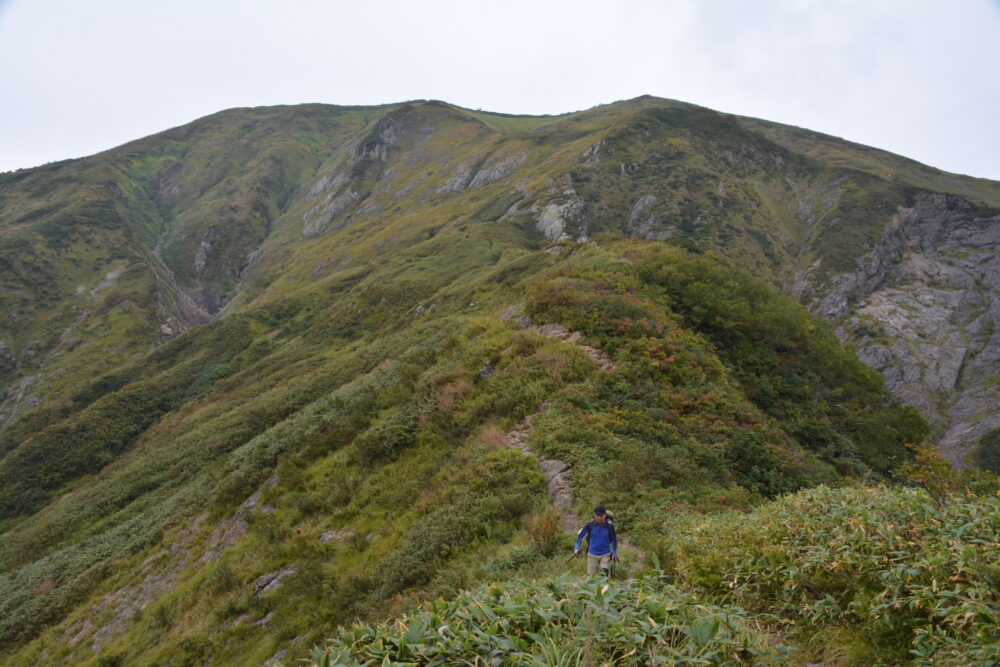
x=263, y=373
x=848, y=576
x=563, y=621
x=395, y=443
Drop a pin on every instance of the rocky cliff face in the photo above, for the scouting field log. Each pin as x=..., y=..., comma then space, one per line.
x=923, y=309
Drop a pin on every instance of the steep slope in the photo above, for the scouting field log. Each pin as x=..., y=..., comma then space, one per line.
x=147, y=239
x=922, y=308
x=392, y=476
x=320, y=292
x=229, y=206
x=876, y=162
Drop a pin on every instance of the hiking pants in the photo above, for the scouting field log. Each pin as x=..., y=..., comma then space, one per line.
x=593, y=562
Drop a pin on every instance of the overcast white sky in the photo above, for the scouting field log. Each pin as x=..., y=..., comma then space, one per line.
x=917, y=77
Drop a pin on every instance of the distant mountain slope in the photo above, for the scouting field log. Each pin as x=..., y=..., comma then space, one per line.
x=165, y=232
x=337, y=295
x=877, y=162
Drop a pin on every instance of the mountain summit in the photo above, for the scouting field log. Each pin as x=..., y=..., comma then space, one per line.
x=287, y=367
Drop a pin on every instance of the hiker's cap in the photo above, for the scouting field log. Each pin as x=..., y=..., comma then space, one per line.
x=600, y=510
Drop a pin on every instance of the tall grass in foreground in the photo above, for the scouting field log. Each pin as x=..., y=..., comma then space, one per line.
x=851, y=576
x=863, y=576
x=562, y=621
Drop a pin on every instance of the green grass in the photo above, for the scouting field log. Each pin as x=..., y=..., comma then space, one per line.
x=908, y=579
x=854, y=576
x=877, y=162
x=510, y=123
x=563, y=621
x=347, y=363
x=394, y=436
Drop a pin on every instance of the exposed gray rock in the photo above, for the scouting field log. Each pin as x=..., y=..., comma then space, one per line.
x=458, y=180
x=175, y=303
x=271, y=581
x=388, y=135
x=340, y=193
x=203, y=250
x=565, y=220
x=644, y=224
x=332, y=182
x=641, y=206
x=923, y=308
x=559, y=332
x=159, y=573
x=486, y=371
x=593, y=154
x=559, y=480
x=109, y=279
x=168, y=182
x=82, y=630
x=19, y=395
x=336, y=535
x=557, y=474
x=276, y=659
x=513, y=314
x=229, y=531
x=317, y=219
x=496, y=168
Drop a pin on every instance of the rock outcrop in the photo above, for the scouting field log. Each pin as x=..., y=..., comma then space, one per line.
x=923, y=310
x=564, y=220
x=558, y=474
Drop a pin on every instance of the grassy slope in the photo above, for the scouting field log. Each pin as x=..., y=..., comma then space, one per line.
x=85, y=288
x=851, y=576
x=396, y=299
x=228, y=194
x=393, y=438
x=883, y=164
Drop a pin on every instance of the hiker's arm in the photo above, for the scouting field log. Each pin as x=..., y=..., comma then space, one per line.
x=580, y=536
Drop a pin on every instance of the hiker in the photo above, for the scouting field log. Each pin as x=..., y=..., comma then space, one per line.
x=602, y=542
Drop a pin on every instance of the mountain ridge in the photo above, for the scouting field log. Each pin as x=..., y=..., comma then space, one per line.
x=303, y=305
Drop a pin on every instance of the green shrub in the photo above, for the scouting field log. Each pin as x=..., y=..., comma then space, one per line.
x=545, y=530
x=504, y=485
x=395, y=431
x=566, y=620
x=916, y=580
x=758, y=467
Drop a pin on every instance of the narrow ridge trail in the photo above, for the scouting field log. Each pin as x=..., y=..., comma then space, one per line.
x=559, y=474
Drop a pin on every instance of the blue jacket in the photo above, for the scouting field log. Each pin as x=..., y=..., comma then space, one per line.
x=601, y=538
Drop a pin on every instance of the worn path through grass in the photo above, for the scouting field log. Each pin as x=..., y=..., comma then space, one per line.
x=559, y=474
